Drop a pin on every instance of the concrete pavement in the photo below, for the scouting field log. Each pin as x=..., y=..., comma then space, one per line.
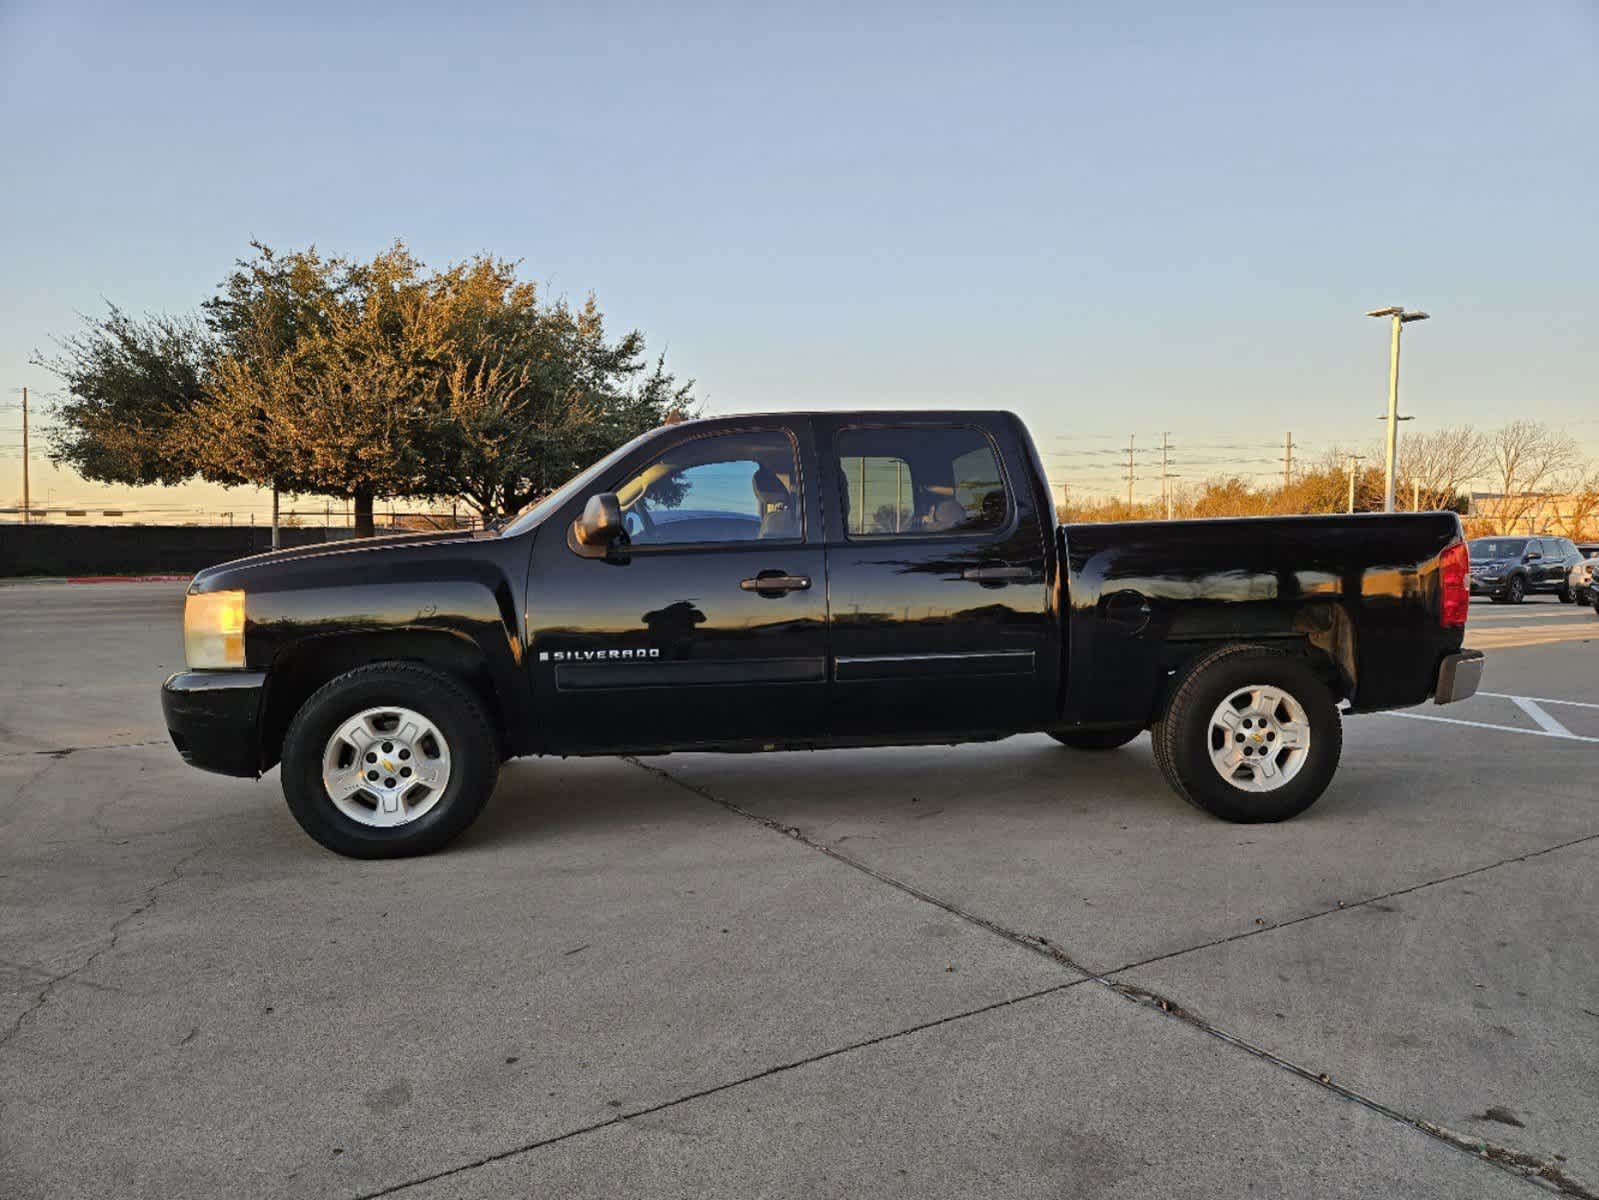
x=999, y=970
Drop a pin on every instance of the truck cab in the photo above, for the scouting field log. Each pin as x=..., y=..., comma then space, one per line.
x=798, y=579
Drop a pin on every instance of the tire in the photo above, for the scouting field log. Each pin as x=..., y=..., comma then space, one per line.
x=1183, y=737
x=453, y=741
x=1098, y=739
x=1515, y=590
x=1566, y=596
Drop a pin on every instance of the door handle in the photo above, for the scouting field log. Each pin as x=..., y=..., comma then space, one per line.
x=776, y=583
x=998, y=574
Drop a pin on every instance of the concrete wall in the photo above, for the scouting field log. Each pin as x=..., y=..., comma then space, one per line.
x=138, y=549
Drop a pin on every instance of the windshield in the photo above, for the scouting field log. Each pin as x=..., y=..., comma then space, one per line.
x=530, y=517
x=1498, y=547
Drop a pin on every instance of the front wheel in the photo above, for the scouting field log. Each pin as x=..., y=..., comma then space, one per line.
x=1565, y=595
x=1516, y=590
x=389, y=760
x=1098, y=739
x=1250, y=735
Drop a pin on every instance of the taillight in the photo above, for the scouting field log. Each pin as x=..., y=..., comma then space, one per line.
x=1454, y=564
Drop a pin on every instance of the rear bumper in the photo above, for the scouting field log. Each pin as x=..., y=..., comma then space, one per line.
x=213, y=719
x=1458, y=676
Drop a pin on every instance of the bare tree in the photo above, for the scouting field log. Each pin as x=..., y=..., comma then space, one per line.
x=1440, y=464
x=1581, y=515
x=1526, y=459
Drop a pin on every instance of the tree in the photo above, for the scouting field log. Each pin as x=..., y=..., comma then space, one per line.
x=322, y=381
x=1525, y=458
x=369, y=380
x=527, y=394
x=1441, y=464
x=131, y=386
x=1582, y=511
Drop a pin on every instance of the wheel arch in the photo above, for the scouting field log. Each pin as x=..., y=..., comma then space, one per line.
x=303, y=667
x=1322, y=635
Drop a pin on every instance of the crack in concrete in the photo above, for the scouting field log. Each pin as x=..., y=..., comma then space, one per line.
x=1529, y=1166
x=151, y=895
x=59, y=752
x=1038, y=945
x=781, y=1068
x=1351, y=906
x=1514, y=1162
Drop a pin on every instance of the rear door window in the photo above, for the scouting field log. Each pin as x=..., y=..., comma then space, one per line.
x=919, y=482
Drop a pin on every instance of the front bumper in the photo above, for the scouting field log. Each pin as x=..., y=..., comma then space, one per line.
x=213, y=717
x=1486, y=587
x=1458, y=676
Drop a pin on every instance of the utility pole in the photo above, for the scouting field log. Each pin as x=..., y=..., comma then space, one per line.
x=1131, y=438
x=1288, y=459
x=1165, y=479
x=274, y=514
x=1400, y=318
x=27, y=505
x=1353, y=459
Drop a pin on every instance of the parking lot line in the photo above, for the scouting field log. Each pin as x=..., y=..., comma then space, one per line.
x=1564, y=733
x=1540, y=718
x=1539, y=699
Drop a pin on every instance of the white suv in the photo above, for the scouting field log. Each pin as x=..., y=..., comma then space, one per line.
x=1583, y=582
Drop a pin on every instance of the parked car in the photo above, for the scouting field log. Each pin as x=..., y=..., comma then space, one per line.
x=844, y=579
x=1585, y=573
x=1509, y=569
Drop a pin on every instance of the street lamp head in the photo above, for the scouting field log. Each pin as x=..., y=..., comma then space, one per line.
x=1412, y=316
x=1391, y=311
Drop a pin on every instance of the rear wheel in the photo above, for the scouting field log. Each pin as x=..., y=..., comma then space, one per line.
x=1098, y=739
x=389, y=760
x=1250, y=735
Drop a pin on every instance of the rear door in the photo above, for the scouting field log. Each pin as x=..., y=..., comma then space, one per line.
x=941, y=618
x=711, y=625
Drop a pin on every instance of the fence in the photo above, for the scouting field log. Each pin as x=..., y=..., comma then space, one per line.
x=139, y=549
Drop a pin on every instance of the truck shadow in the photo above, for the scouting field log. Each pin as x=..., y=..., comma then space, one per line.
x=1026, y=778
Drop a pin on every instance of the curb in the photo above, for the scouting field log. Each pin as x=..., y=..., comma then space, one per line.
x=129, y=578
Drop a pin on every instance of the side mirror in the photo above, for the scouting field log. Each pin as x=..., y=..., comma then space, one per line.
x=1532, y=556
x=601, y=522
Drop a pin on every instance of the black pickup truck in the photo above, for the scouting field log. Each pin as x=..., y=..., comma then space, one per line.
x=806, y=581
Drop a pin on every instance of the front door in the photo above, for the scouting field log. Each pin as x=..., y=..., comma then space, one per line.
x=936, y=577
x=710, y=625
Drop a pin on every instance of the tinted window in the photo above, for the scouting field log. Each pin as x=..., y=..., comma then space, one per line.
x=1498, y=548
x=734, y=487
x=915, y=482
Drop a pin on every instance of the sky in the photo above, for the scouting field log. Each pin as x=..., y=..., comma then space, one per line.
x=1114, y=219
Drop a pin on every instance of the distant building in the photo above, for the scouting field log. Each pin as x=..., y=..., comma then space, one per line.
x=1565, y=514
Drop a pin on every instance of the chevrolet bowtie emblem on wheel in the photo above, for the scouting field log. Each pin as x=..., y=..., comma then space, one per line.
x=594, y=655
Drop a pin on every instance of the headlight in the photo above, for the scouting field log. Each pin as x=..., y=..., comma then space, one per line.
x=213, y=630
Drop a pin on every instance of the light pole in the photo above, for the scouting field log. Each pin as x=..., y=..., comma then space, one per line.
x=1353, y=459
x=1399, y=316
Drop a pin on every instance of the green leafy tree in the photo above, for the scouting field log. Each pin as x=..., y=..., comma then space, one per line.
x=369, y=380
x=322, y=381
x=527, y=393
x=131, y=386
